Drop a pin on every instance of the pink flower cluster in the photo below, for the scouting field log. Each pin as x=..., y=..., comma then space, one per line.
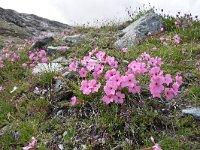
x=103, y=69
x=8, y=56
x=37, y=57
x=90, y=86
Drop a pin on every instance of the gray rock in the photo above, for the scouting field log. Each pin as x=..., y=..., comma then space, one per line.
x=61, y=60
x=33, y=24
x=194, y=111
x=69, y=75
x=41, y=43
x=59, y=85
x=56, y=50
x=59, y=113
x=47, y=67
x=74, y=39
x=147, y=24
x=60, y=146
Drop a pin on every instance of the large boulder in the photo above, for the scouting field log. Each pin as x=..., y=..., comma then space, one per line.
x=147, y=24
x=41, y=43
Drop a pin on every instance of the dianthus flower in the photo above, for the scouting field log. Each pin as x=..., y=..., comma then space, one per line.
x=73, y=66
x=83, y=72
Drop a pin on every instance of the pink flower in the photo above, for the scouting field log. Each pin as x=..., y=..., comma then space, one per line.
x=134, y=89
x=156, y=147
x=44, y=60
x=137, y=67
x=32, y=65
x=83, y=73
x=145, y=56
x=156, y=62
x=169, y=93
x=90, y=86
x=31, y=56
x=110, y=88
x=156, y=86
x=73, y=66
x=93, y=51
x=111, y=62
x=85, y=60
x=90, y=66
x=155, y=71
x=179, y=80
x=7, y=55
x=96, y=88
x=128, y=81
x=162, y=38
x=111, y=73
x=119, y=98
x=175, y=87
x=116, y=79
x=100, y=55
x=177, y=22
x=42, y=53
x=154, y=48
x=168, y=79
x=124, y=50
x=177, y=39
x=108, y=99
x=85, y=87
x=31, y=145
x=73, y=101
x=98, y=68
x=24, y=65
x=36, y=91
x=43, y=91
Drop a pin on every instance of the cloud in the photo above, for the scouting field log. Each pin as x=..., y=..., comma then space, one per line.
x=183, y=6
x=83, y=11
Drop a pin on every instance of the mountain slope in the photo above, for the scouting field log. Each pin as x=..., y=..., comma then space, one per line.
x=32, y=24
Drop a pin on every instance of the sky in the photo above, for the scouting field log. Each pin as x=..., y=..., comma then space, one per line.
x=75, y=12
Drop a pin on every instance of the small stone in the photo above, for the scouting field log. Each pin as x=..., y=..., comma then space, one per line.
x=59, y=113
x=69, y=75
x=194, y=111
x=74, y=39
x=56, y=50
x=60, y=146
x=65, y=133
x=59, y=85
x=61, y=60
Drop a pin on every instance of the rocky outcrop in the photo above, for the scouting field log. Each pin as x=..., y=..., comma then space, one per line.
x=147, y=24
x=32, y=24
x=10, y=29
